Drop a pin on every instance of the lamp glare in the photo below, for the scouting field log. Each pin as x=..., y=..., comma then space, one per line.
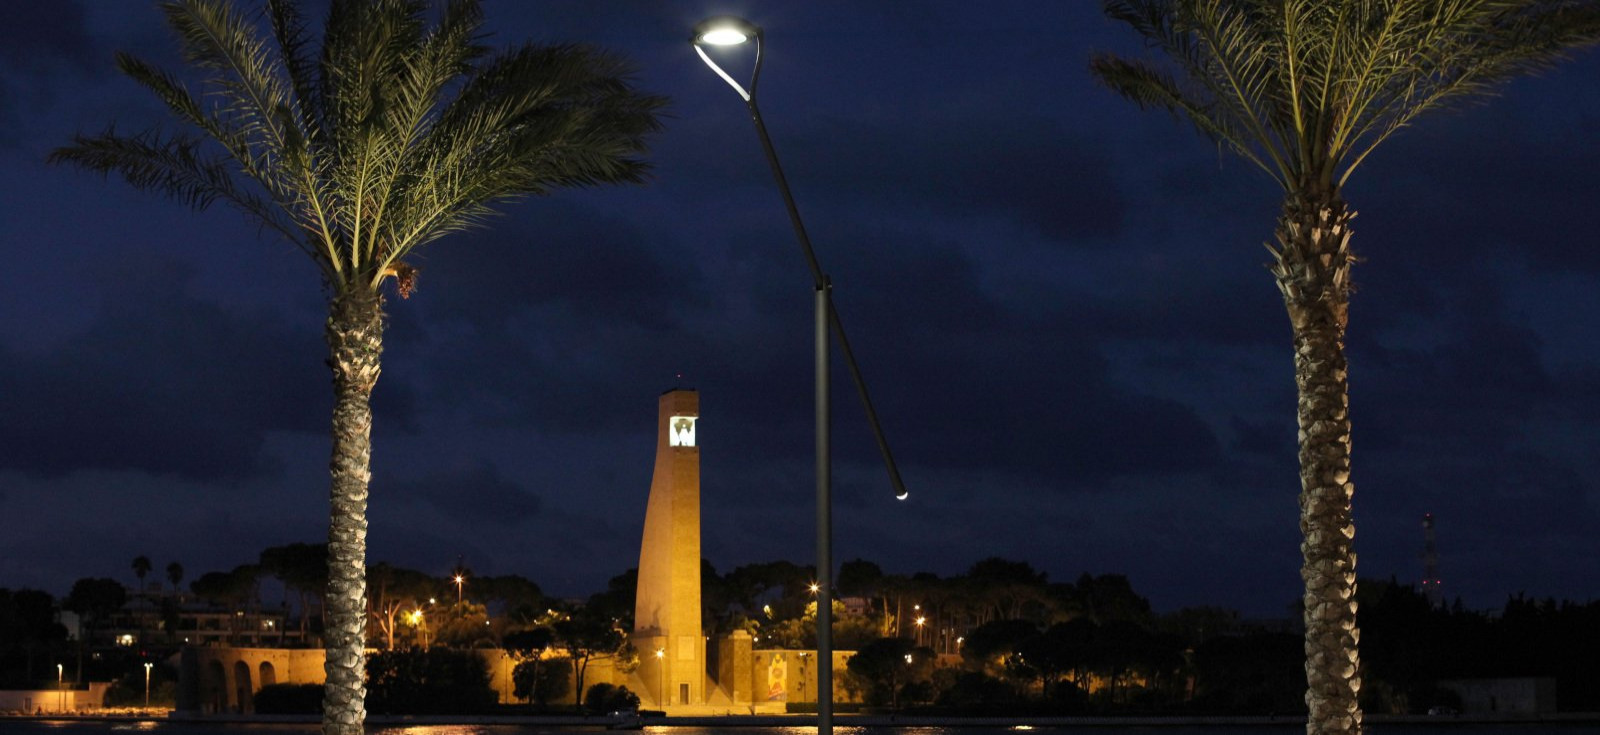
x=723, y=37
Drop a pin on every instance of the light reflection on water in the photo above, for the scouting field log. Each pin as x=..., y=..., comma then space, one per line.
x=65, y=727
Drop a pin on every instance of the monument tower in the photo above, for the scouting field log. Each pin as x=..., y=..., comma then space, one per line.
x=666, y=627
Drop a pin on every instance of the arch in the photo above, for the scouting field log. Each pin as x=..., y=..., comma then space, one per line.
x=214, y=688
x=267, y=675
x=242, y=687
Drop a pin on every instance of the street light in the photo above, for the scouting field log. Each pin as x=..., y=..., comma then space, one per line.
x=727, y=30
x=147, y=668
x=661, y=663
x=61, y=689
x=421, y=623
x=459, y=580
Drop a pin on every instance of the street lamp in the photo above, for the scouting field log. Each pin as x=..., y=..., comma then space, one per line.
x=661, y=663
x=459, y=580
x=147, y=668
x=61, y=689
x=727, y=30
x=422, y=624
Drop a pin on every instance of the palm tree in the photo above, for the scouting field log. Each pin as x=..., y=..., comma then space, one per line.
x=141, y=567
x=175, y=575
x=1306, y=90
x=390, y=136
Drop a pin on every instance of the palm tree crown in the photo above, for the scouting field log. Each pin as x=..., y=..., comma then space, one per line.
x=1306, y=89
x=393, y=136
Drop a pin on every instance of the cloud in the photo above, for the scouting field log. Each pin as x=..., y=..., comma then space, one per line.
x=163, y=382
x=37, y=34
x=473, y=495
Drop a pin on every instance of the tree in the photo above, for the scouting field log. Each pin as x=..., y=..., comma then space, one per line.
x=1306, y=90
x=859, y=578
x=300, y=567
x=993, y=645
x=392, y=136
x=175, y=575
x=586, y=634
x=541, y=681
x=95, y=599
x=396, y=592
x=516, y=596
x=466, y=625
x=27, y=625
x=235, y=590
x=532, y=676
x=141, y=567
x=883, y=666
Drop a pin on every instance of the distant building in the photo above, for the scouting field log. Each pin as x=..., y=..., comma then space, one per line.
x=160, y=620
x=680, y=668
x=1526, y=695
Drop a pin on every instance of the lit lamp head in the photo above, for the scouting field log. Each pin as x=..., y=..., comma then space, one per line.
x=724, y=30
x=728, y=30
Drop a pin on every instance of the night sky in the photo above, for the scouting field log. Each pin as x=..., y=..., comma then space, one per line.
x=1059, y=301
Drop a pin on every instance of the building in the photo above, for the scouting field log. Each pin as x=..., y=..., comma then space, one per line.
x=681, y=670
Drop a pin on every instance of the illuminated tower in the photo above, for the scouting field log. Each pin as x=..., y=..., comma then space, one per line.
x=1430, y=564
x=666, y=621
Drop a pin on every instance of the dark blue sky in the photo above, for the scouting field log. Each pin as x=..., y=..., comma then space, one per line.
x=1059, y=301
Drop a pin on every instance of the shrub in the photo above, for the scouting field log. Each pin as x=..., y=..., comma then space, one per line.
x=289, y=699
x=432, y=682
x=603, y=697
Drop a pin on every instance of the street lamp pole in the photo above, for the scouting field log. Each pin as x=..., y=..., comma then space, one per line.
x=731, y=31
x=147, y=667
x=61, y=689
x=661, y=664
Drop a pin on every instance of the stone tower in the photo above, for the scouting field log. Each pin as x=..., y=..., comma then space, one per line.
x=666, y=627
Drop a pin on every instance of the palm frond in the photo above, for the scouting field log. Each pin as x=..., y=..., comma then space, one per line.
x=218, y=38
x=1149, y=87
x=531, y=120
x=1313, y=86
x=394, y=132
x=175, y=168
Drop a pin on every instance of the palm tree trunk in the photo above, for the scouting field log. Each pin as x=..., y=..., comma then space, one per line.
x=1313, y=270
x=355, y=342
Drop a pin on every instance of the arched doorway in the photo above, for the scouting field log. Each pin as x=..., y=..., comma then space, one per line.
x=242, y=687
x=214, y=688
x=268, y=675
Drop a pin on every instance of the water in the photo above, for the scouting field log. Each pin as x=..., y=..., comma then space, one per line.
x=48, y=727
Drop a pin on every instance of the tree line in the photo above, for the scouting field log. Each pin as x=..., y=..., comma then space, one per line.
x=1000, y=636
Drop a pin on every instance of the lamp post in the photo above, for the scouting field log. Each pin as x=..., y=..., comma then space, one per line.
x=661, y=663
x=422, y=624
x=727, y=30
x=61, y=689
x=147, y=667
x=459, y=580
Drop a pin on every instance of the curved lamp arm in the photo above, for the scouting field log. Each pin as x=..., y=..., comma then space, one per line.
x=729, y=30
